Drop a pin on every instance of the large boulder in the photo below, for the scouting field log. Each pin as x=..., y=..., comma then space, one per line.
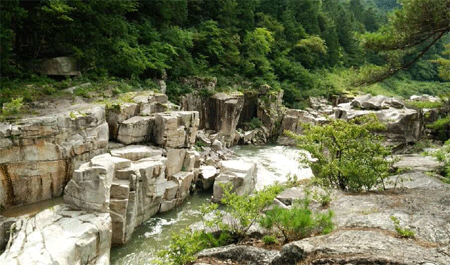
x=359, y=247
x=65, y=66
x=237, y=173
x=144, y=103
x=270, y=111
x=60, y=236
x=177, y=129
x=240, y=253
x=403, y=125
x=90, y=185
x=293, y=121
x=207, y=177
x=38, y=155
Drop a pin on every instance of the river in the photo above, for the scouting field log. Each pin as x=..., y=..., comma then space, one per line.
x=274, y=164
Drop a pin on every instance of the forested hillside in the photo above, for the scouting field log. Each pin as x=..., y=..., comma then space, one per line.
x=301, y=46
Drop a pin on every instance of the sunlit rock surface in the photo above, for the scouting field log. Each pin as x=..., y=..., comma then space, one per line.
x=60, y=236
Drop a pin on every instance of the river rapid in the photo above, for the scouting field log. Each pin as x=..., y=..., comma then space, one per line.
x=275, y=163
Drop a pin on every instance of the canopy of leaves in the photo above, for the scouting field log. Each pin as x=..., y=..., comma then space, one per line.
x=284, y=43
x=411, y=32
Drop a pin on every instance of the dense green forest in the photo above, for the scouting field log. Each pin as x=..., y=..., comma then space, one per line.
x=305, y=47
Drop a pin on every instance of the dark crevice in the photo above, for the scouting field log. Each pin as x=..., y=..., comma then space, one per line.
x=8, y=185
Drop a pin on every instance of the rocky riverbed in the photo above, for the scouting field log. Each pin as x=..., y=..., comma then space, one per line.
x=120, y=163
x=365, y=233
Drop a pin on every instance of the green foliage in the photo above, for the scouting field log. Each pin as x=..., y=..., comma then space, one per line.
x=424, y=104
x=402, y=231
x=182, y=248
x=441, y=128
x=13, y=107
x=405, y=87
x=246, y=210
x=323, y=199
x=300, y=46
x=347, y=154
x=412, y=30
x=257, y=45
x=254, y=123
x=444, y=63
x=298, y=222
x=443, y=155
x=270, y=240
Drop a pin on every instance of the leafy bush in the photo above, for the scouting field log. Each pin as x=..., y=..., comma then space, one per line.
x=253, y=124
x=424, y=104
x=440, y=128
x=443, y=155
x=246, y=210
x=269, y=240
x=323, y=199
x=12, y=107
x=298, y=222
x=186, y=243
x=347, y=154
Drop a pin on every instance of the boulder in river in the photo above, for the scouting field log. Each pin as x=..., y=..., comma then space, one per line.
x=237, y=173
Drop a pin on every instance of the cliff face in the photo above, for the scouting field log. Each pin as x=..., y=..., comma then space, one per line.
x=39, y=154
x=219, y=113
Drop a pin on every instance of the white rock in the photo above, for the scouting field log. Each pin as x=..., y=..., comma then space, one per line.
x=52, y=238
x=239, y=174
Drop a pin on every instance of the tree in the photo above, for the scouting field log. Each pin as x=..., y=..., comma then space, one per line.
x=258, y=44
x=413, y=29
x=347, y=154
x=444, y=64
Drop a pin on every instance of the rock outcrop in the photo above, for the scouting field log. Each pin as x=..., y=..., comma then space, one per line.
x=175, y=129
x=270, y=112
x=364, y=232
x=132, y=184
x=38, y=155
x=219, y=113
x=60, y=236
x=5, y=229
x=65, y=66
x=120, y=115
x=293, y=120
x=239, y=174
x=403, y=125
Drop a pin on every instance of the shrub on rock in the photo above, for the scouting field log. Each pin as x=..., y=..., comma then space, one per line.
x=347, y=154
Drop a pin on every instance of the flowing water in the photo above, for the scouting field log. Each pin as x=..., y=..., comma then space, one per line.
x=274, y=164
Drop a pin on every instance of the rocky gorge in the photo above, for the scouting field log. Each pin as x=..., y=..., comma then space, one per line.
x=120, y=163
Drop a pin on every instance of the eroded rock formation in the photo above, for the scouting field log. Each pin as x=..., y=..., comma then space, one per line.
x=403, y=125
x=38, y=155
x=60, y=236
